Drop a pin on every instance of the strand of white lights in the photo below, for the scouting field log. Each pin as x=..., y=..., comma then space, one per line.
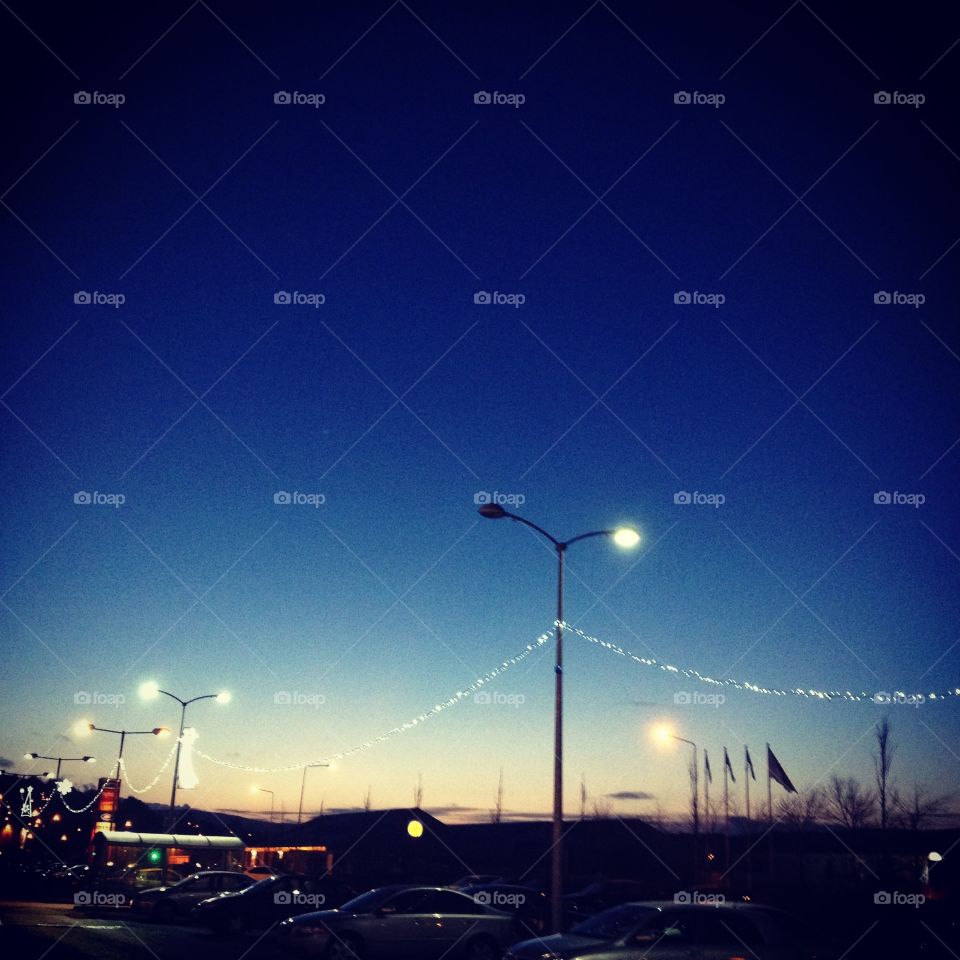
x=86, y=806
x=153, y=782
x=403, y=727
x=881, y=697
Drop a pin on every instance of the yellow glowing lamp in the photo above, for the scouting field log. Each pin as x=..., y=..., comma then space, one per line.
x=415, y=828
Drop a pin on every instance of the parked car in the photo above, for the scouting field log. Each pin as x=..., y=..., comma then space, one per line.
x=600, y=895
x=269, y=900
x=418, y=923
x=260, y=873
x=664, y=930
x=178, y=899
x=528, y=905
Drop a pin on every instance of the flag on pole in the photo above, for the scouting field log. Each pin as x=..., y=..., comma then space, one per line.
x=728, y=764
x=749, y=763
x=706, y=767
x=776, y=772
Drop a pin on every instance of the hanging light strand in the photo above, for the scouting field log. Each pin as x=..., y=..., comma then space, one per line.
x=401, y=728
x=809, y=693
x=86, y=806
x=153, y=782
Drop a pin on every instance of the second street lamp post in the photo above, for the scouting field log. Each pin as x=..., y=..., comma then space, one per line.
x=663, y=733
x=40, y=756
x=123, y=734
x=624, y=537
x=149, y=691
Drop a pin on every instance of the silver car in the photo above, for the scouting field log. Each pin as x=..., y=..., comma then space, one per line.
x=418, y=923
x=665, y=930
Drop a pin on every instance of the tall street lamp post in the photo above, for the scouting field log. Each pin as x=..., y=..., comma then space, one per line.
x=150, y=691
x=663, y=733
x=623, y=537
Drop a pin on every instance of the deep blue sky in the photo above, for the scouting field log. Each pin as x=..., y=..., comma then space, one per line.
x=399, y=398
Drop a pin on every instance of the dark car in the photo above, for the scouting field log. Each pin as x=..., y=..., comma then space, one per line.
x=178, y=899
x=528, y=905
x=601, y=895
x=419, y=923
x=665, y=930
x=269, y=900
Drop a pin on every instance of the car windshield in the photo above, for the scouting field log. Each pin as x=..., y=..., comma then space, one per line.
x=265, y=884
x=366, y=901
x=614, y=923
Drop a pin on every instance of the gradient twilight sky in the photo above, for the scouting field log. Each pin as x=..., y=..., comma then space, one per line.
x=399, y=398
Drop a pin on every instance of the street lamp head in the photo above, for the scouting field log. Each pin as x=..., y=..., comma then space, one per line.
x=626, y=537
x=662, y=733
x=224, y=696
x=161, y=731
x=89, y=759
x=149, y=690
x=492, y=511
x=30, y=756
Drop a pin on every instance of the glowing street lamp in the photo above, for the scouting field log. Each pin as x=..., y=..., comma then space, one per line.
x=625, y=537
x=255, y=790
x=149, y=690
x=663, y=734
x=40, y=756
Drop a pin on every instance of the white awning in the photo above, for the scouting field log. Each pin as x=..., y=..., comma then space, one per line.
x=130, y=839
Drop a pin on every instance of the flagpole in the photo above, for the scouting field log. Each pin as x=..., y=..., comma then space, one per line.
x=746, y=779
x=726, y=809
x=706, y=796
x=770, y=817
x=769, y=790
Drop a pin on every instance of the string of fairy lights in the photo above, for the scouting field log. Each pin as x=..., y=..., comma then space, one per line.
x=416, y=721
x=63, y=788
x=812, y=693
x=153, y=782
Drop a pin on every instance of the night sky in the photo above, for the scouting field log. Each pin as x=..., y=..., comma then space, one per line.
x=782, y=201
